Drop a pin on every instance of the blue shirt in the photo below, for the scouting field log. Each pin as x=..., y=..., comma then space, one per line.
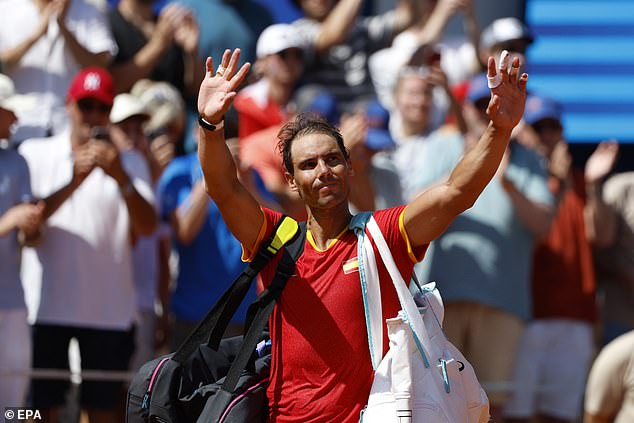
x=283, y=11
x=15, y=188
x=222, y=25
x=485, y=255
x=235, y=24
x=212, y=261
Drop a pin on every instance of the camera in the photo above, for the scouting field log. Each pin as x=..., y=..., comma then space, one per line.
x=155, y=133
x=100, y=133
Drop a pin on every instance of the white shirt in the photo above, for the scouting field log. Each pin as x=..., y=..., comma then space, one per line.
x=82, y=271
x=458, y=61
x=48, y=67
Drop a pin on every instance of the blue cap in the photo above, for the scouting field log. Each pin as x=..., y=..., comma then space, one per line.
x=377, y=115
x=538, y=108
x=319, y=102
x=478, y=88
x=379, y=139
x=378, y=136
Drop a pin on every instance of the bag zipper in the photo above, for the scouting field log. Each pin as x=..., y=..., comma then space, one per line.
x=442, y=363
x=239, y=397
x=146, y=398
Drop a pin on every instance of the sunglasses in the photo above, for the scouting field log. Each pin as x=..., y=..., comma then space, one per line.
x=547, y=125
x=88, y=105
x=515, y=46
x=482, y=104
x=293, y=53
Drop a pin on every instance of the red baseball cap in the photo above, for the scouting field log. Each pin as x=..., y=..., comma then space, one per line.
x=92, y=82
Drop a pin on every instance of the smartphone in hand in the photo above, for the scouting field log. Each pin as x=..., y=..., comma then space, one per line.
x=100, y=133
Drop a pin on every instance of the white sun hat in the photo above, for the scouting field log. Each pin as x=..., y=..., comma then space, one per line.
x=125, y=106
x=9, y=100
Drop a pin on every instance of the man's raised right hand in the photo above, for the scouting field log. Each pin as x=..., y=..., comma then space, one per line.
x=218, y=88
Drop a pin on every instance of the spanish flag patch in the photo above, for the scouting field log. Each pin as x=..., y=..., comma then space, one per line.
x=351, y=266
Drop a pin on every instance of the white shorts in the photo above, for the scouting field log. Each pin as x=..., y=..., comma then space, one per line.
x=551, y=369
x=15, y=357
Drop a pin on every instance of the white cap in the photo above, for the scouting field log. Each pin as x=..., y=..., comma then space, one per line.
x=11, y=101
x=502, y=30
x=125, y=106
x=162, y=101
x=276, y=38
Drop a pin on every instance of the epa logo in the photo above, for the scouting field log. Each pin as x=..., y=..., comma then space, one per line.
x=21, y=414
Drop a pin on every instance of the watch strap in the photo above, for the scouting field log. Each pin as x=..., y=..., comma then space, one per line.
x=210, y=126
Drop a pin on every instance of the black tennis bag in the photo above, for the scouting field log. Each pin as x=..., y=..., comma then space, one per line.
x=210, y=379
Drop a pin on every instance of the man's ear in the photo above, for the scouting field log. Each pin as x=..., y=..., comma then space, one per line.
x=290, y=180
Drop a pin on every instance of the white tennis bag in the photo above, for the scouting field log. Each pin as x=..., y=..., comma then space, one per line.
x=423, y=378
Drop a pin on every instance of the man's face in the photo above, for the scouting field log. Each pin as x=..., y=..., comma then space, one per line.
x=7, y=119
x=481, y=107
x=515, y=47
x=285, y=67
x=550, y=132
x=317, y=9
x=321, y=172
x=130, y=134
x=85, y=114
x=414, y=99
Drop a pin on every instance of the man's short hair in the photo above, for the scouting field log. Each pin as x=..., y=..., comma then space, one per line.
x=304, y=124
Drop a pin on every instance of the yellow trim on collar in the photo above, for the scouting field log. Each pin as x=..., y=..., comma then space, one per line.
x=311, y=240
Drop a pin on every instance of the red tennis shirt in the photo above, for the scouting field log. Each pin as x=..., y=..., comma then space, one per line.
x=321, y=370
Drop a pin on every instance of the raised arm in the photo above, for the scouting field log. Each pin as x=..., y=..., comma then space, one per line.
x=430, y=26
x=12, y=56
x=337, y=25
x=429, y=214
x=81, y=54
x=187, y=36
x=600, y=219
x=189, y=218
x=147, y=58
x=239, y=209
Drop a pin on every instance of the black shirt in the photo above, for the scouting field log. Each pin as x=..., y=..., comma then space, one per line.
x=130, y=39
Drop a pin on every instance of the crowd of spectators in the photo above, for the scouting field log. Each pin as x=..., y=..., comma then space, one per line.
x=108, y=236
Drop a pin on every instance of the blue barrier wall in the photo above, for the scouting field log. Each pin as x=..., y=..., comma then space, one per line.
x=583, y=56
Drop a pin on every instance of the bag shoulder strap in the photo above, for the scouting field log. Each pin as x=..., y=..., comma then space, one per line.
x=359, y=220
x=409, y=309
x=370, y=284
x=370, y=288
x=260, y=310
x=212, y=327
x=285, y=232
x=285, y=269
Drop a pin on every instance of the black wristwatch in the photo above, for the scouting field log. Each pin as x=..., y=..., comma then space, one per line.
x=210, y=126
